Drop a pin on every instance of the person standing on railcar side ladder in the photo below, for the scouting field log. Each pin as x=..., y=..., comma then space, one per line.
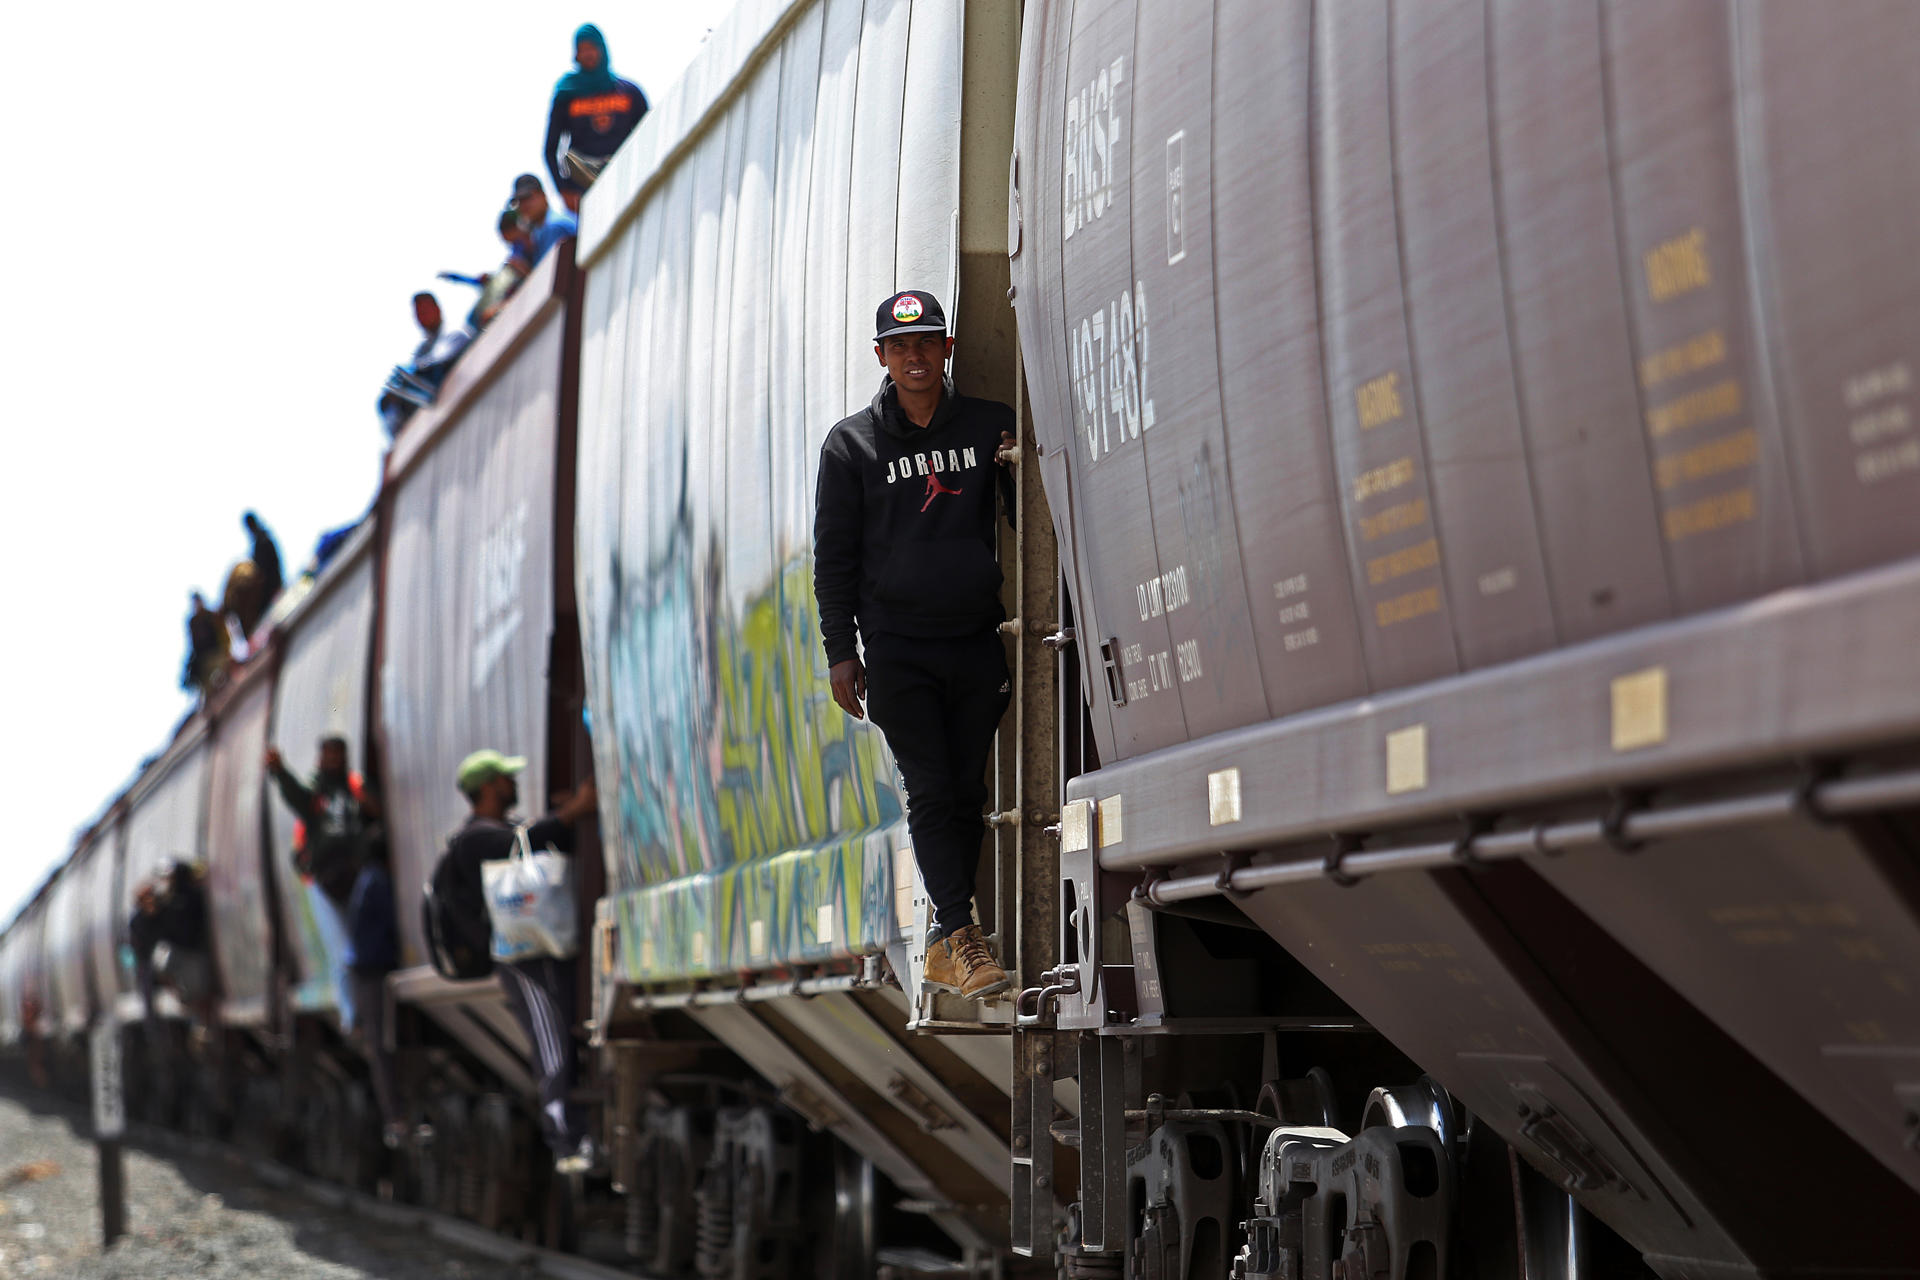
x=903, y=554
x=336, y=825
x=539, y=989
x=336, y=817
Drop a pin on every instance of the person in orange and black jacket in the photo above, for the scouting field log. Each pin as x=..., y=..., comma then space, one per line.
x=594, y=110
x=336, y=818
x=335, y=833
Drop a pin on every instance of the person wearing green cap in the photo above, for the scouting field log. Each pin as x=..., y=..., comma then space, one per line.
x=594, y=110
x=540, y=990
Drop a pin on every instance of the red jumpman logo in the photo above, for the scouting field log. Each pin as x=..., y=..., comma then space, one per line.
x=935, y=489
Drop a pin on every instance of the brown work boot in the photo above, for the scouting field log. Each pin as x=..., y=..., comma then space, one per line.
x=962, y=963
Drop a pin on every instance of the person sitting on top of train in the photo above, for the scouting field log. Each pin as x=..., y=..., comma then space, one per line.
x=329, y=544
x=337, y=818
x=904, y=556
x=595, y=110
x=265, y=554
x=539, y=989
x=415, y=384
x=504, y=279
x=439, y=346
x=209, y=647
x=253, y=583
x=545, y=226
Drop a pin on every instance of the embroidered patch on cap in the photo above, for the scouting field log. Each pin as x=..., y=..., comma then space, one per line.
x=906, y=307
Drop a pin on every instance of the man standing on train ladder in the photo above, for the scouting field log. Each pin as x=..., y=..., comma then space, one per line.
x=903, y=554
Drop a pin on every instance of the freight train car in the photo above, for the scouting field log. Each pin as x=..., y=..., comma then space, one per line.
x=761, y=890
x=1481, y=431
x=474, y=644
x=1456, y=813
x=23, y=977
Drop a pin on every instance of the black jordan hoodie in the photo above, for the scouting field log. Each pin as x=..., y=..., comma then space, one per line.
x=903, y=532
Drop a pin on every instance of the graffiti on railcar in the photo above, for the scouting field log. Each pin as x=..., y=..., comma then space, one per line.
x=746, y=804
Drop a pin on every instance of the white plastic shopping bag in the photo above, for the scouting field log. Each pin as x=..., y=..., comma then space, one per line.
x=530, y=901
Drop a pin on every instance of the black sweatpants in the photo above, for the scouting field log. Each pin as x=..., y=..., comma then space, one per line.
x=939, y=702
x=540, y=993
x=370, y=1023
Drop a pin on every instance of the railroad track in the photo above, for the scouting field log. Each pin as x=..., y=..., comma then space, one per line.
x=455, y=1231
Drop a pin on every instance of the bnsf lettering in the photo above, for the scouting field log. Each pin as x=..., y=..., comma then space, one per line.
x=1092, y=149
x=1108, y=361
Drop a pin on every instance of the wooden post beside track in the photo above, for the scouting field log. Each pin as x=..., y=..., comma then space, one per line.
x=109, y=1124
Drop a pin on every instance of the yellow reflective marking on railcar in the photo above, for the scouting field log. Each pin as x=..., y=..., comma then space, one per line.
x=1407, y=760
x=1223, y=797
x=1640, y=709
x=1076, y=826
x=903, y=876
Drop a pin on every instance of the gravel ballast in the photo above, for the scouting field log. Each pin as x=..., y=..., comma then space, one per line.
x=187, y=1217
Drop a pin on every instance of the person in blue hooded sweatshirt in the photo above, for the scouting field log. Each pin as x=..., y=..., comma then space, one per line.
x=594, y=110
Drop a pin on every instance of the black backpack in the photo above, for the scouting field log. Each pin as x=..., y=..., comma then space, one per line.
x=453, y=920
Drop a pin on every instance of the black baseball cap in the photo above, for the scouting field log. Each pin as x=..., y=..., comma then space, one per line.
x=914, y=311
x=525, y=185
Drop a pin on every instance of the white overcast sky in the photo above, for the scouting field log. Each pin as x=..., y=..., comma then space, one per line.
x=220, y=213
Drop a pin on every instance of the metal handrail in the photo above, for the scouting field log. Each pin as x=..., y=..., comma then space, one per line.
x=1820, y=801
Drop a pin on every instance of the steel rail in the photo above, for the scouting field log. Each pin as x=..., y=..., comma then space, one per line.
x=1838, y=798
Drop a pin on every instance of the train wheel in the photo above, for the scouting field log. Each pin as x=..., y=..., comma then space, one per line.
x=1554, y=1231
x=322, y=1129
x=643, y=1194
x=851, y=1238
x=559, y=1230
x=360, y=1149
x=447, y=1157
x=1422, y=1103
x=494, y=1158
x=253, y=1129
x=424, y=1158
x=678, y=1142
x=1302, y=1102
